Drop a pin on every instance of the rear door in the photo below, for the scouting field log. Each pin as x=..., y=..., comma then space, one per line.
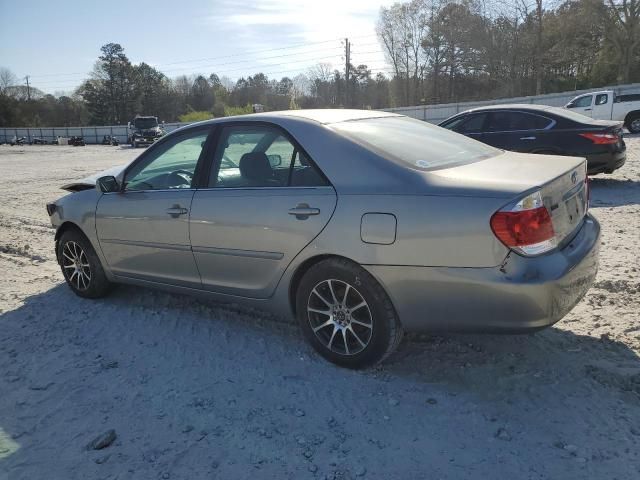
x=516, y=131
x=264, y=201
x=602, y=106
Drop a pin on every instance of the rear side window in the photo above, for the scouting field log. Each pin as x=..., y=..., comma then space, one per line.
x=260, y=156
x=602, y=99
x=516, y=121
x=415, y=143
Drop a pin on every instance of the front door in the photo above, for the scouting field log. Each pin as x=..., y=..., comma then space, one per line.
x=583, y=105
x=144, y=229
x=264, y=202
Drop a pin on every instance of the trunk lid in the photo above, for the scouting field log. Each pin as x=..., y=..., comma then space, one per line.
x=561, y=181
x=566, y=199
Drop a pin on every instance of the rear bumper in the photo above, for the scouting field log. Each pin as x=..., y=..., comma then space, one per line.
x=145, y=140
x=523, y=294
x=605, y=162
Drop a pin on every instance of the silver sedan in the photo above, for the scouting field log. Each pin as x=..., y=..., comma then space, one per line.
x=359, y=224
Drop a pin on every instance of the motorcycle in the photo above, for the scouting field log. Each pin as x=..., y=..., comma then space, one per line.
x=109, y=140
x=18, y=141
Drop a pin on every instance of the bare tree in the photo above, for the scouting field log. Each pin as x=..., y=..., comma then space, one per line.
x=7, y=79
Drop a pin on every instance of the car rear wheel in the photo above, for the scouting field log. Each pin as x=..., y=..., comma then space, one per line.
x=634, y=124
x=81, y=266
x=346, y=315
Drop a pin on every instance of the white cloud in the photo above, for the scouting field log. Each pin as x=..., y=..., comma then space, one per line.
x=280, y=23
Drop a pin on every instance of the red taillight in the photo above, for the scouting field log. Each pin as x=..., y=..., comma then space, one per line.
x=526, y=227
x=601, y=138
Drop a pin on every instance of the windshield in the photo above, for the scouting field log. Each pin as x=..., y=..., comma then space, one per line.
x=417, y=144
x=145, y=122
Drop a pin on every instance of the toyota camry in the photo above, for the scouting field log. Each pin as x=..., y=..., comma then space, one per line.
x=359, y=224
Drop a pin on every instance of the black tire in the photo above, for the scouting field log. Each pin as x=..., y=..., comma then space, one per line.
x=382, y=337
x=633, y=124
x=93, y=282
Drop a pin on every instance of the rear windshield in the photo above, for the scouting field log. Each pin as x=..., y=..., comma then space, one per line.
x=570, y=114
x=415, y=143
x=145, y=122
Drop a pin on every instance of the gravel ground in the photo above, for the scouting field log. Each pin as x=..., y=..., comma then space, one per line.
x=197, y=390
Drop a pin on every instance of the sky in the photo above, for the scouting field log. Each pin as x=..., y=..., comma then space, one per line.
x=57, y=43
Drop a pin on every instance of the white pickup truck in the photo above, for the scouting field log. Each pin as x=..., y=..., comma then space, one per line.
x=606, y=105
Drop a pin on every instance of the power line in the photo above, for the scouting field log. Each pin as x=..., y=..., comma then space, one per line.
x=270, y=65
x=245, y=54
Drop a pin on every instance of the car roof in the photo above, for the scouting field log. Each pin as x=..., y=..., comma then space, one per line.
x=323, y=116
x=517, y=106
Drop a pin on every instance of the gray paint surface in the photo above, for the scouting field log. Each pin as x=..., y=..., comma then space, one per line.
x=243, y=245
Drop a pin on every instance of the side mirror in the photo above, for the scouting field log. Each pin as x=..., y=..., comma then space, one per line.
x=275, y=160
x=108, y=184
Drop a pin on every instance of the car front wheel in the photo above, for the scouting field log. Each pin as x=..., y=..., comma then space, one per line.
x=81, y=266
x=346, y=315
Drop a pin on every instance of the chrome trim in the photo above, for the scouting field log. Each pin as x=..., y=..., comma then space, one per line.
x=289, y=187
x=239, y=253
x=123, y=192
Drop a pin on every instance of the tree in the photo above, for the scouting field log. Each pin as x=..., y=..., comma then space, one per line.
x=624, y=34
x=7, y=79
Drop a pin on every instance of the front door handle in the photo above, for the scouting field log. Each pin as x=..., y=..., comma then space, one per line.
x=176, y=211
x=302, y=211
x=587, y=109
x=527, y=138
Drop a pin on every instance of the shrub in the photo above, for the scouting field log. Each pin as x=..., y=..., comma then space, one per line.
x=230, y=111
x=195, y=116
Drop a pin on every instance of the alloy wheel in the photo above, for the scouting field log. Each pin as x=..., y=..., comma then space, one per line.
x=635, y=125
x=76, y=265
x=340, y=317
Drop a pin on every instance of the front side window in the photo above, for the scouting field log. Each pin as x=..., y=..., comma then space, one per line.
x=170, y=165
x=467, y=123
x=260, y=156
x=580, y=102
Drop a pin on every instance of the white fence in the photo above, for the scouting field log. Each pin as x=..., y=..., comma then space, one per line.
x=90, y=134
x=437, y=113
x=428, y=113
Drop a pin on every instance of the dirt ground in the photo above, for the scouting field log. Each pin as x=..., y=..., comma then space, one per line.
x=198, y=390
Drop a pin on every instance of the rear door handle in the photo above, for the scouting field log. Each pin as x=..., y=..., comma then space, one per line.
x=587, y=109
x=302, y=211
x=527, y=138
x=176, y=211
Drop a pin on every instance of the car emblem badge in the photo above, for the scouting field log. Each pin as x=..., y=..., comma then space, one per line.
x=574, y=177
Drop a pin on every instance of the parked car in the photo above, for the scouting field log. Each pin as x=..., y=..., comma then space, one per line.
x=545, y=130
x=360, y=224
x=606, y=105
x=77, y=141
x=144, y=131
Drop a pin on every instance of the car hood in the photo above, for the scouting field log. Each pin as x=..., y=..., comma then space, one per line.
x=90, y=181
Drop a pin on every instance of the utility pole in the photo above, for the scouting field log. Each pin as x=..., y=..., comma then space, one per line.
x=28, y=88
x=347, y=65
